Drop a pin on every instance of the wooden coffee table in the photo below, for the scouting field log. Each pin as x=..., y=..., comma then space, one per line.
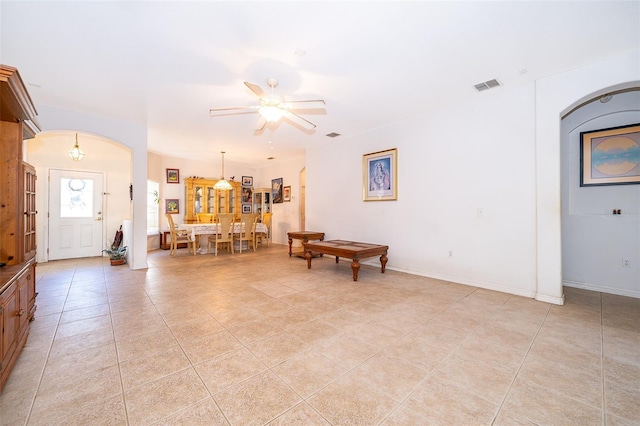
x=305, y=236
x=350, y=249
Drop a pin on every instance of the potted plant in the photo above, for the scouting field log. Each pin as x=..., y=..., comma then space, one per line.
x=117, y=255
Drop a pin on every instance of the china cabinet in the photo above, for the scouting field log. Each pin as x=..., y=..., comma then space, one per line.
x=17, y=219
x=262, y=201
x=200, y=197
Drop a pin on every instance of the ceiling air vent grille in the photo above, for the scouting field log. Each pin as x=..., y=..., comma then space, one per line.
x=487, y=85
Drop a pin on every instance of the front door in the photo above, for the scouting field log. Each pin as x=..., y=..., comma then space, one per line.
x=75, y=214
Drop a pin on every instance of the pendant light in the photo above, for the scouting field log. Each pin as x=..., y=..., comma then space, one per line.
x=75, y=153
x=222, y=185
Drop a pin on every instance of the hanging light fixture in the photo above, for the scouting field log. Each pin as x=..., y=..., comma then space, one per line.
x=222, y=185
x=75, y=153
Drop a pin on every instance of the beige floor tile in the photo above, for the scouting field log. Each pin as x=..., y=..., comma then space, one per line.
x=391, y=376
x=544, y=406
x=474, y=376
x=623, y=402
x=398, y=349
x=308, y=372
x=141, y=369
x=276, y=349
x=445, y=403
x=226, y=370
x=143, y=345
x=256, y=400
x=160, y=398
x=301, y=414
x=209, y=346
x=572, y=382
x=204, y=413
x=351, y=401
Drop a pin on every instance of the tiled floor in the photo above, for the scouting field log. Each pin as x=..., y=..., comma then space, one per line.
x=256, y=338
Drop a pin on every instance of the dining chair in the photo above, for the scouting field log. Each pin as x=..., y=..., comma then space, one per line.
x=224, y=234
x=266, y=219
x=247, y=231
x=206, y=217
x=179, y=236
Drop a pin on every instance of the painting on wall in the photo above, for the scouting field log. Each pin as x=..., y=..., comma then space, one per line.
x=173, y=176
x=287, y=193
x=247, y=180
x=380, y=176
x=610, y=156
x=276, y=190
x=172, y=206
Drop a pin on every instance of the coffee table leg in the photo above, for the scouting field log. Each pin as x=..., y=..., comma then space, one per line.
x=308, y=256
x=355, y=266
x=383, y=262
x=290, y=241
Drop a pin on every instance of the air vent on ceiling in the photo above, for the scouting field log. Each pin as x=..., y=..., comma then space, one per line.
x=487, y=85
x=333, y=135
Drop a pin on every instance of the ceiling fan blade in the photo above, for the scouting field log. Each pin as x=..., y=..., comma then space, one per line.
x=256, y=89
x=308, y=104
x=303, y=122
x=212, y=111
x=260, y=124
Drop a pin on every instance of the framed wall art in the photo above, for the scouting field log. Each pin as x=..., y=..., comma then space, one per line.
x=247, y=180
x=173, y=176
x=247, y=194
x=610, y=156
x=286, y=194
x=172, y=206
x=246, y=208
x=380, y=176
x=276, y=190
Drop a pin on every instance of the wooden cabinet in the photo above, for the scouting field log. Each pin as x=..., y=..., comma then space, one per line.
x=200, y=197
x=17, y=305
x=17, y=219
x=261, y=201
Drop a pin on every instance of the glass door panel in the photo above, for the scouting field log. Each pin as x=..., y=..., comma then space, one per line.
x=197, y=199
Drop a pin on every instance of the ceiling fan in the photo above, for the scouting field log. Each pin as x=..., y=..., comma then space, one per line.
x=273, y=107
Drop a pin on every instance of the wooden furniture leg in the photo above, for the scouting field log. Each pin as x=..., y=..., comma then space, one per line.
x=355, y=266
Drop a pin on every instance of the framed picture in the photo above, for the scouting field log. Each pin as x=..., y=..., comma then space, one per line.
x=173, y=176
x=247, y=180
x=246, y=194
x=172, y=206
x=246, y=208
x=610, y=156
x=286, y=195
x=276, y=191
x=380, y=176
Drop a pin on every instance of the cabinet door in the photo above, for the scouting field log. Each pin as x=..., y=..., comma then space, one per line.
x=23, y=302
x=211, y=196
x=198, y=200
x=29, y=175
x=9, y=308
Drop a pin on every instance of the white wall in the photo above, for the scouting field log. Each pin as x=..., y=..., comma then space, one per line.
x=481, y=180
x=286, y=215
x=594, y=241
x=49, y=150
x=466, y=183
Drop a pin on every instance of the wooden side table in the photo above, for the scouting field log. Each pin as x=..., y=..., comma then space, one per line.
x=305, y=236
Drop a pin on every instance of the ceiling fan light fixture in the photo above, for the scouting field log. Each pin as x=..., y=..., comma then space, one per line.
x=222, y=185
x=271, y=113
x=76, y=153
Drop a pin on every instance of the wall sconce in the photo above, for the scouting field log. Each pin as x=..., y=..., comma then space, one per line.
x=75, y=153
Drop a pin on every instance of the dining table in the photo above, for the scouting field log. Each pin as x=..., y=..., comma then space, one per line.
x=200, y=231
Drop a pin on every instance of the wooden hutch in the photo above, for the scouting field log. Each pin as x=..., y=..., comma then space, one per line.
x=200, y=197
x=17, y=219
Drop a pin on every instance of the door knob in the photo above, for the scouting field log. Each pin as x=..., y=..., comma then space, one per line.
x=99, y=218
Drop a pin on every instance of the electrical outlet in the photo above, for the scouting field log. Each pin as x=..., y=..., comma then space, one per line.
x=626, y=263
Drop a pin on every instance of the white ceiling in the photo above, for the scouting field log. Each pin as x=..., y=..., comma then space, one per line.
x=165, y=64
